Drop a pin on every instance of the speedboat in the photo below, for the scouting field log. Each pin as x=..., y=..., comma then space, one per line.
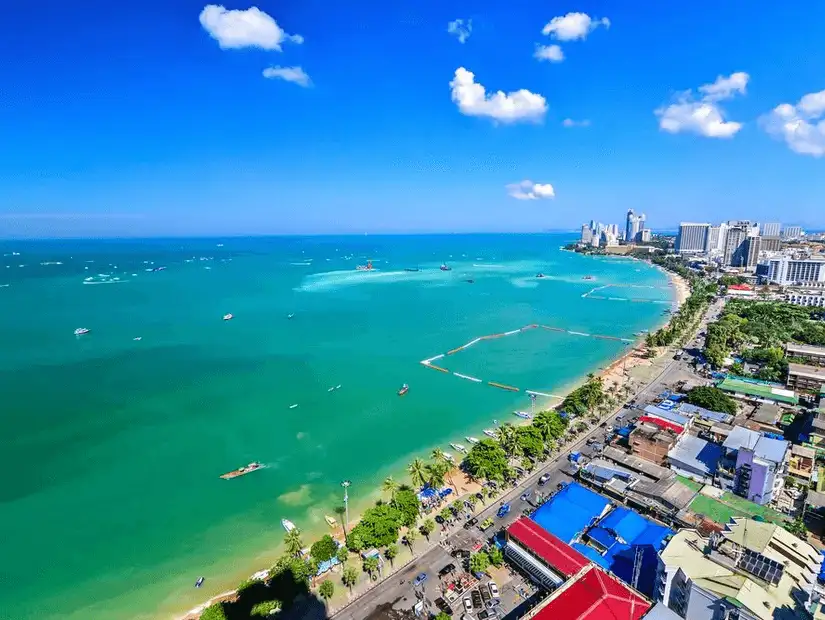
x=540, y=275
x=471, y=440
x=81, y=330
x=470, y=281
x=287, y=525
x=242, y=471
x=199, y=582
x=290, y=315
x=293, y=405
x=523, y=415
x=228, y=317
x=444, y=267
x=367, y=267
x=330, y=521
x=591, y=277
x=137, y=338
x=458, y=448
x=404, y=389
x=448, y=456
x=490, y=433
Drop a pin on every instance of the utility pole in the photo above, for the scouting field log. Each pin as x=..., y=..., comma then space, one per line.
x=346, y=484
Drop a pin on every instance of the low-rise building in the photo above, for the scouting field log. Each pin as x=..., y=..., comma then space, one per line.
x=548, y=560
x=808, y=354
x=652, y=439
x=813, y=299
x=805, y=378
x=760, y=464
x=695, y=458
x=759, y=391
x=801, y=464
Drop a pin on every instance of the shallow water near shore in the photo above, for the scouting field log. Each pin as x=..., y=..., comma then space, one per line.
x=112, y=447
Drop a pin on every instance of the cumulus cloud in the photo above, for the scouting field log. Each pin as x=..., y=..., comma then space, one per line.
x=461, y=29
x=553, y=53
x=248, y=28
x=473, y=100
x=569, y=122
x=573, y=26
x=527, y=190
x=702, y=115
x=296, y=75
x=801, y=126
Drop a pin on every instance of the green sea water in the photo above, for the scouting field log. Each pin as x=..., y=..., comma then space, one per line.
x=111, y=505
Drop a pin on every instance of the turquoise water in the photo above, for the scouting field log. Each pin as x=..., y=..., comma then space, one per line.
x=110, y=503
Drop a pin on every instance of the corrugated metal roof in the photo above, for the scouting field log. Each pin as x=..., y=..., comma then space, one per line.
x=696, y=453
x=570, y=510
x=559, y=555
x=665, y=424
x=666, y=415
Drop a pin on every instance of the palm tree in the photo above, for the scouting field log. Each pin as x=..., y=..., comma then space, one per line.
x=326, y=590
x=390, y=486
x=409, y=538
x=418, y=472
x=427, y=528
x=446, y=465
x=342, y=555
x=293, y=542
x=507, y=439
x=391, y=552
x=370, y=565
x=349, y=577
x=435, y=474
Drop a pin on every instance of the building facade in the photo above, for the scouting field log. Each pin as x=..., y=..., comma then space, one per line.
x=810, y=298
x=735, y=252
x=804, y=378
x=633, y=226
x=772, y=229
x=792, y=232
x=692, y=238
x=788, y=271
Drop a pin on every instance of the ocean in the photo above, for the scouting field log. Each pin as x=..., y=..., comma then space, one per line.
x=111, y=503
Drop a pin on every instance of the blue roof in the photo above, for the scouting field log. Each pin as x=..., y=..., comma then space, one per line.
x=667, y=415
x=704, y=413
x=697, y=454
x=591, y=554
x=603, y=538
x=569, y=511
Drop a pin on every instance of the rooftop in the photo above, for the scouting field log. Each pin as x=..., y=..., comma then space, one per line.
x=570, y=511
x=696, y=453
x=765, y=448
x=693, y=410
x=767, y=413
x=634, y=463
x=594, y=595
x=557, y=554
x=804, y=349
x=665, y=414
x=809, y=372
x=758, y=389
x=662, y=424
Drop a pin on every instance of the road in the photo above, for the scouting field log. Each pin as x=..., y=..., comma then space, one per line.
x=398, y=592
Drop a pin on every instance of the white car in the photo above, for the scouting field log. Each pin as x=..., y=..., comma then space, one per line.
x=468, y=604
x=493, y=589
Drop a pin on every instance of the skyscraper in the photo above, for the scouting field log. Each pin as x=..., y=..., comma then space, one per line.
x=692, y=238
x=587, y=234
x=628, y=228
x=771, y=229
x=792, y=232
x=754, y=246
x=736, y=251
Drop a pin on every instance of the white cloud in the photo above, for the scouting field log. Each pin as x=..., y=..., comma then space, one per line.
x=801, y=126
x=249, y=28
x=573, y=26
x=473, y=100
x=461, y=29
x=553, y=53
x=291, y=74
x=569, y=122
x=527, y=190
x=703, y=115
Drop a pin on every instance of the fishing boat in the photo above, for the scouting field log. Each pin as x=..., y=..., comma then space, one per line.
x=472, y=440
x=287, y=525
x=448, y=456
x=242, y=471
x=293, y=405
x=404, y=389
x=330, y=521
x=290, y=315
x=137, y=338
x=591, y=277
x=458, y=448
x=523, y=415
x=228, y=317
x=490, y=433
x=540, y=275
x=81, y=330
x=444, y=267
x=367, y=267
x=199, y=582
x=470, y=281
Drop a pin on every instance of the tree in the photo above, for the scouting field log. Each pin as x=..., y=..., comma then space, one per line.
x=349, y=577
x=530, y=441
x=324, y=549
x=442, y=615
x=342, y=555
x=427, y=528
x=214, y=612
x=496, y=557
x=408, y=505
x=446, y=513
x=293, y=542
x=326, y=590
x=379, y=526
x=446, y=465
x=457, y=507
x=711, y=398
x=486, y=460
x=479, y=562
x=355, y=542
x=390, y=486
x=435, y=473
x=267, y=608
x=418, y=472
x=507, y=438
x=370, y=565
x=391, y=552
x=797, y=528
x=409, y=538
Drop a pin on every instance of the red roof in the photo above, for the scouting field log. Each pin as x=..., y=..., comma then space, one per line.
x=671, y=426
x=740, y=287
x=595, y=596
x=558, y=554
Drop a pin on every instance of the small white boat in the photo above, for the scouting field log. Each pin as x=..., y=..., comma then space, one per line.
x=289, y=316
x=81, y=330
x=458, y=448
x=228, y=317
x=293, y=406
x=471, y=439
x=137, y=338
x=338, y=387
x=490, y=433
x=287, y=525
x=330, y=521
x=523, y=415
x=332, y=389
x=448, y=456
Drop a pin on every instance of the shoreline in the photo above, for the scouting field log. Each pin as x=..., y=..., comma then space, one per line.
x=615, y=374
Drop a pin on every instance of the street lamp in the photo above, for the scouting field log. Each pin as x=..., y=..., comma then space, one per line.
x=346, y=484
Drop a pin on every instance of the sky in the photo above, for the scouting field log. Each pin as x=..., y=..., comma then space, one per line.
x=301, y=117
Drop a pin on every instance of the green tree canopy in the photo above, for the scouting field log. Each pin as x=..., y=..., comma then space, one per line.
x=323, y=549
x=530, y=441
x=479, y=562
x=391, y=552
x=486, y=460
x=427, y=528
x=797, y=528
x=293, y=542
x=370, y=564
x=326, y=589
x=214, y=612
x=378, y=527
x=711, y=398
x=265, y=609
x=496, y=557
x=550, y=424
x=408, y=505
x=342, y=555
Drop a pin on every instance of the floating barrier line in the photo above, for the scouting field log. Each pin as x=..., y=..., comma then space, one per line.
x=545, y=394
x=468, y=377
x=503, y=386
x=510, y=333
x=438, y=368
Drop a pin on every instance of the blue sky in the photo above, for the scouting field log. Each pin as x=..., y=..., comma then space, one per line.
x=139, y=119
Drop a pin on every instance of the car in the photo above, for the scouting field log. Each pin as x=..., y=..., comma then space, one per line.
x=478, y=602
x=485, y=596
x=597, y=446
x=477, y=546
x=419, y=579
x=439, y=519
x=461, y=553
x=560, y=486
x=544, y=478
x=618, y=418
x=493, y=589
x=446, y=570
x=443, y=606
x=470, y=523
x=468, y=604
x=526, y=496
x=609, y=428
x=503, y=510
x=486, y=524
x=484, y=614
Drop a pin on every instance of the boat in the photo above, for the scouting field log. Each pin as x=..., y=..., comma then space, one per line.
x=411, y=269
x=540, y=275
x=448, y=456
x=470, y=281
x=444, y=267
x=293, y=406
x=471, y=440
x=458, y=448
x=490, y=433
x=404, y=389
x=287, y=525
x=330, y=521
x=338, y=387
x=591, y=277
x=81, y=330
x=290, y=315
x=367, y=267
x=137, y=338
x=242, y=471
x=199, y=582
x=228, y=317
x=523, y=415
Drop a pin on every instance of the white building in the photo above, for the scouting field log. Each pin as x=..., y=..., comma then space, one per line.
x=815, y=299
x=787, y=271
x=646, y=235
x=771, y=229
x=792, y=232
x=633, y=226
x=692, y=238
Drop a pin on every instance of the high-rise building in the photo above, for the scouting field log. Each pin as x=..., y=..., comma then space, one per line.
x=614, y=230
x=633, y=226
x=736, y=251
x=646, y=235
x=787, y=271
x=692, y=238
x=587, y=234
x=792, y=232
x=770, y=230
x=754, y=246
x=771, y=244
